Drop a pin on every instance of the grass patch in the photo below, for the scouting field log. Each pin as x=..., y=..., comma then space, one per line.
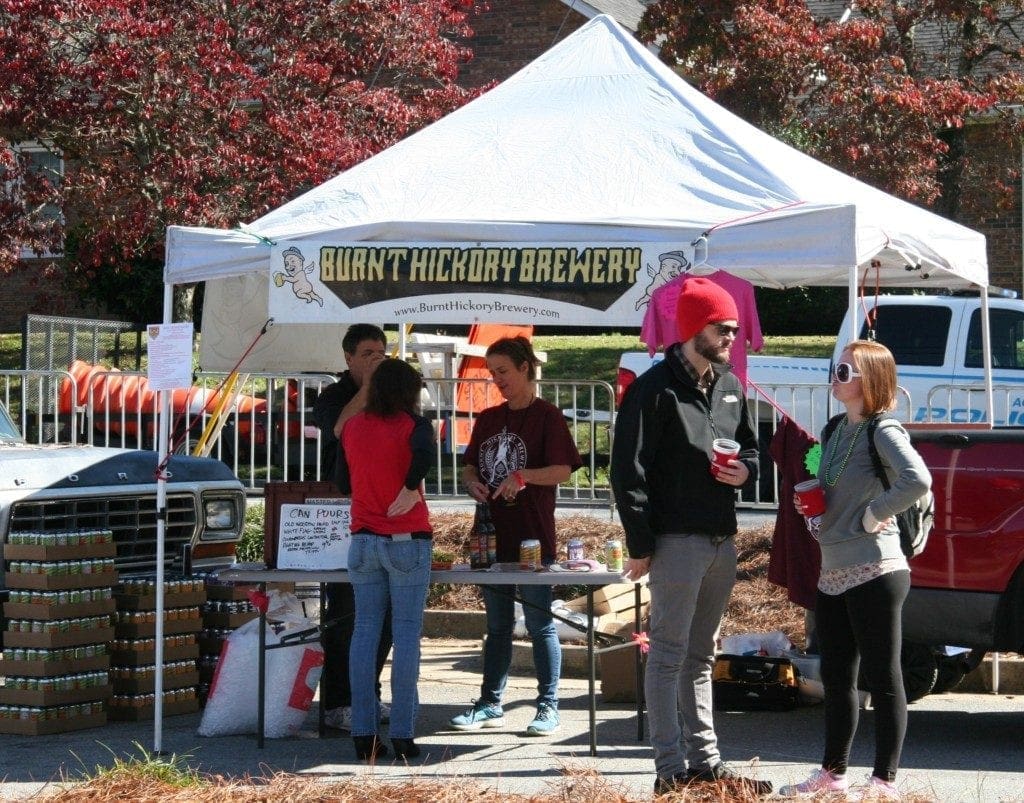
x=143, y=774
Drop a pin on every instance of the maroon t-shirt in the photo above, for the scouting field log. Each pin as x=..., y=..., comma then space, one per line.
x=504, y=441
x=795, y=560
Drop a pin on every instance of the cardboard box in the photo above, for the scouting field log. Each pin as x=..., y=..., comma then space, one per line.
x=67, y=552
x=618, y=666
x=148, y=684
x=618, y=599
x=228, y=620
x=73, y=610
x=60, y=582
x=36, y=697
x=120, y=713
x=24, y=727
x=147, y=602
x=145, y=657
x=146, y=629
x=49, y=669
x=49, y=641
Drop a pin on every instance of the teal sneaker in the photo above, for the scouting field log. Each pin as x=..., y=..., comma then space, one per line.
x=545, y=722
x=481, y=715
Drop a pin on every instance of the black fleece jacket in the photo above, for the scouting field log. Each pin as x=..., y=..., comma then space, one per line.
x=661, y=454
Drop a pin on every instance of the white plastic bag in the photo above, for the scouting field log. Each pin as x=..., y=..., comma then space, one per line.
x=291, y=678
x=772, y=644
x=231, y=704
x=565, y=632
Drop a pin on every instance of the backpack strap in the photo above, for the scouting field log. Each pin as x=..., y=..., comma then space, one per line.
x=830, y=427
x=876, y=460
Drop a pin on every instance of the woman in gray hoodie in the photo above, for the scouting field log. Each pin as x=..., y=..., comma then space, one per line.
x=864, y=575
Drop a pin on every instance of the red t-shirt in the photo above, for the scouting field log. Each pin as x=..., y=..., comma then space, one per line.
x=504, y=441
x=378, y=453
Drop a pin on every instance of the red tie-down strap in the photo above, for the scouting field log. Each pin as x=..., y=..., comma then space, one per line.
x=643, y=641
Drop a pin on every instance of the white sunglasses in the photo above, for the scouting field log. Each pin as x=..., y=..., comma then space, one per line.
x=843, y=372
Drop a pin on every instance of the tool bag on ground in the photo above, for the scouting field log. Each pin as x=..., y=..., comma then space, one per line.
x=754, y=683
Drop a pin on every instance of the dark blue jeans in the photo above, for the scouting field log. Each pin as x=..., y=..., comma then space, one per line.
x=547, y=652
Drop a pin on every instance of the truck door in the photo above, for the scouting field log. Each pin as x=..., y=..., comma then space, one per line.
x=1007, y=364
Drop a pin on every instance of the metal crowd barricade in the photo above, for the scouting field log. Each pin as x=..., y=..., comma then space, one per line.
x=966, y=404
x=33, y=400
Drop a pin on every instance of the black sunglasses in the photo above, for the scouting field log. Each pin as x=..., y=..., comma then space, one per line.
x=843, y=372
x=724, y=330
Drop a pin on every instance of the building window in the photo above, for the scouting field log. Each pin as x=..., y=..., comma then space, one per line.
x=39, y=160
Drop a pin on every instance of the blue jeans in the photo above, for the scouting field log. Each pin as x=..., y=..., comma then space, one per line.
x=547, y=652
x=384, y=572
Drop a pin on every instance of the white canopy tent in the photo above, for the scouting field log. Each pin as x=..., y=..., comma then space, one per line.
x=597, y=140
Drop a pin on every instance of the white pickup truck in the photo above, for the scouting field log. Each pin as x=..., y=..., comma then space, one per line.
x=936, y=341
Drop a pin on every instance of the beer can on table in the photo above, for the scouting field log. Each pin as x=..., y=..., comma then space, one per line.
x=529, y=555
x=613, y=555
x=574, y=549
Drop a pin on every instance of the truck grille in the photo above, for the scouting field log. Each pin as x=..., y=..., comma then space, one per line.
x=131, y=518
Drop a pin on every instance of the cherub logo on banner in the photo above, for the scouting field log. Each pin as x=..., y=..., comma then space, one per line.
x=314, y=536
x=464, y=282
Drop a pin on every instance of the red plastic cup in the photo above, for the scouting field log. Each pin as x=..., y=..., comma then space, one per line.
x=723, y=450
x=811, y=496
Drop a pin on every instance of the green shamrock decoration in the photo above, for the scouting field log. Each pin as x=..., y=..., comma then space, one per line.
x=812, y=460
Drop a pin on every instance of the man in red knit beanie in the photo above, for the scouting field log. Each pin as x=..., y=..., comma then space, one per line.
x=680, y=520
x=701, y=302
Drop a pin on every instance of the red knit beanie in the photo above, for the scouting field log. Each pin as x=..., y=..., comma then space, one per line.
x=701, y=302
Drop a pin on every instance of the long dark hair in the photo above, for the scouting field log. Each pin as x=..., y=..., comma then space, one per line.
x=394, y=388
x=517, y=349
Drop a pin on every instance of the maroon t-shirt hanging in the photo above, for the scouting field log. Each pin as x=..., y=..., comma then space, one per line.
x=795, y=560
x=504, y=441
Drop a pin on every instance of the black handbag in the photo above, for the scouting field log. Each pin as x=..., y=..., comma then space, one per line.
x=754, y=683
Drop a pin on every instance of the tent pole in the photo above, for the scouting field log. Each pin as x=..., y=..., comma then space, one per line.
x=986, y=359
x=163, y=419
x=854, y=322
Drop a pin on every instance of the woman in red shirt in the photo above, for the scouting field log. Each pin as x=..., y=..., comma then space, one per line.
x=386, y=451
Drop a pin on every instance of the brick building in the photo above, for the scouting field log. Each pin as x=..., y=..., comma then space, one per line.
x=508, y=37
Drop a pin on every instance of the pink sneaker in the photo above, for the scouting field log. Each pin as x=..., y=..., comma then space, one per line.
x=821, y=780
x=875, y=789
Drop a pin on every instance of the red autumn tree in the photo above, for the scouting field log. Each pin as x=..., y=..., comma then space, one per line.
x=882, y=92
x=201, y=112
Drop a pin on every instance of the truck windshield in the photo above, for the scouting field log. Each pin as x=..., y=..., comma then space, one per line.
x=8, y=432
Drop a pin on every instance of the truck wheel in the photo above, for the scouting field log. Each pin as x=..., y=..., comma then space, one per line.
x=920, y=670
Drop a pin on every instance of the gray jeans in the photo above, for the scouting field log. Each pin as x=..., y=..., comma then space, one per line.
x=691, y=578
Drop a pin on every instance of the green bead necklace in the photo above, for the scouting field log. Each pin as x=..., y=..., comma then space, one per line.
x=832, y=479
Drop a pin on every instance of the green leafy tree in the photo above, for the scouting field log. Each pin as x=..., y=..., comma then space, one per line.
x=201, y=112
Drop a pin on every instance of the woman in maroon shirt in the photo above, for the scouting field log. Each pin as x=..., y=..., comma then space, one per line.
x=517, y=455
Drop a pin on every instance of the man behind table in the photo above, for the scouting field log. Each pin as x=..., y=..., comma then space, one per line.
x=680, y=522
x=365, y=347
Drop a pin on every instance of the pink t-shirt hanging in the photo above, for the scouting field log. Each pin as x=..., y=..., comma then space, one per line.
x=659, y=325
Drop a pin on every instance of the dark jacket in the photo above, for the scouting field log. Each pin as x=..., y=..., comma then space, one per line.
x=326, y=409
x=661, y=457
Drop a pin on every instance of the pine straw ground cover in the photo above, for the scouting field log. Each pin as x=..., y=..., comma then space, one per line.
x=140, y=784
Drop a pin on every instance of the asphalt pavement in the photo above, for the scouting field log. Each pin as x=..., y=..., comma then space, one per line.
x=960, y=747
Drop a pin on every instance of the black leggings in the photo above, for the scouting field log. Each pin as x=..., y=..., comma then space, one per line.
x=863, y=625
